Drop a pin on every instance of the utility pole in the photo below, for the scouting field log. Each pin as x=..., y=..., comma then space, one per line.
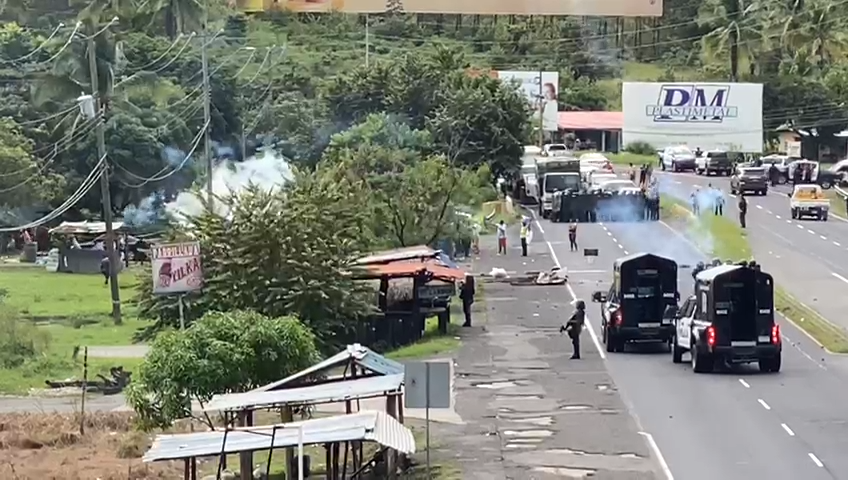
x=541, y=111
x=367, y=42
x=105, y=194
x=207, y=117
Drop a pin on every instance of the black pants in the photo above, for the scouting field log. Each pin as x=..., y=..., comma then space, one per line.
x=573, y=241
x=719, y=210
x=523, y=247
x=105, y=278
x=742, y=219
x=575, y=345
x=466, y=309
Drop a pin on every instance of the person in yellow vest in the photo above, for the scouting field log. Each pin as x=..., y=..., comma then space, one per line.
x=525, y=229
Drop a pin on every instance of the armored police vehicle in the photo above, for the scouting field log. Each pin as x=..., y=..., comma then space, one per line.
x=729, y=320
x=643, y=286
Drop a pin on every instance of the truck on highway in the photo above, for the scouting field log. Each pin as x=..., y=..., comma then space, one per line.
x=809, y=201
x=555, y=174
x=728, y=320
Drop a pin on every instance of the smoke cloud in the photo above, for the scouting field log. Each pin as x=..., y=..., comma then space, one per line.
x=651, y=237
x=267, y=170
x=149, y=211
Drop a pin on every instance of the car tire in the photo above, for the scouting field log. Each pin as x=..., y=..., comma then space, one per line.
x=700, y=363
x=770, y=365
x=826, y=185
x=824, y=217
x=676, y=351
x=794, y=214
x=781, y=180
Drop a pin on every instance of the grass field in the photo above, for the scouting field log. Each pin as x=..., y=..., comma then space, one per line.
x=38, y=294
x=729, y=241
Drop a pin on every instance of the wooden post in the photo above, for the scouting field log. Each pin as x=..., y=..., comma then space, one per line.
x=84, y=388
x=245, y=419
x=391, y=455
x=291, y=464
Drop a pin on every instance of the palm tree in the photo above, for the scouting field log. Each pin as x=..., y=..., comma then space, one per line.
x=736, y=29
x=178, y=16
x=824, y=33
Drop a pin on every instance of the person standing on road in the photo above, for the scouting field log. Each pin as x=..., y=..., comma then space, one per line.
x=632, y=173
x=501, y=238
x=773, y=174
x=574, y=327
x=466, y=294
x=572, y=236
x=718, y=209
x=743, y=210
x=523, y=234
x=642, y=173
x=693, y=199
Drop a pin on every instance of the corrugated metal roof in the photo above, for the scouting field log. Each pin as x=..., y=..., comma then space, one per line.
x=362, y=356
x=310, y=395
x=85, y=227
x=368, y=426
x=408, y=269
x=386, y=256
x=590, y=120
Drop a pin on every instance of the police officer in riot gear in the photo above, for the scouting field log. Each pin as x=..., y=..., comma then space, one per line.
x=716, y=262
x=574, y=326
x=700, y=267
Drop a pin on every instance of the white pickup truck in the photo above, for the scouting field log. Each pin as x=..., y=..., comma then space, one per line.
x=809, y=201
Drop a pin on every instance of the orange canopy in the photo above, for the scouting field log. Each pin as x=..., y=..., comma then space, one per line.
x=410, y=269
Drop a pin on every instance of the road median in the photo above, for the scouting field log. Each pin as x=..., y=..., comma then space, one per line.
x=721, y=238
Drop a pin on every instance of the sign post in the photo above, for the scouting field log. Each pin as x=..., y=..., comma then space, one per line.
x=177, y=269
x=427, y=385
x=590, y=254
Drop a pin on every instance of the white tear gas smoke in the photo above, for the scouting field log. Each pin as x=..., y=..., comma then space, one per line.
x=148, y=212
x=652, y=237
x=267, y=170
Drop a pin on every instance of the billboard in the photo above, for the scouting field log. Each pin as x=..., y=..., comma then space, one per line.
x=541, y=90
x=610, y=8
x=176, y=268
x=709, y=116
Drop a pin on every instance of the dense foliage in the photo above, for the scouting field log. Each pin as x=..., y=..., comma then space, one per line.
x=222, y=353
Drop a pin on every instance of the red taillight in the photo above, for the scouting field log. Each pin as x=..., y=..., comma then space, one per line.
x=711, y=336
x=617, y=318
x=775, y=334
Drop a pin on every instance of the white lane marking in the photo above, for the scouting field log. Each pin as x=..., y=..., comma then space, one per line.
x=789, y=221
x=776, y=216
x=732, y=195
x=656, y=449
x=815, y=460
x=608, y=232
x=788, y=430
x=571, y=290
x=811, y=232
x=696, y=185
x=840, y=277
x=744, y=383
x=619, y=245
x=770, y=213
x=625, y=252
x=837, y=243
x=764, y=404
x=799, y=226
x=759, y=206
x=822, y=237
x=678, y=182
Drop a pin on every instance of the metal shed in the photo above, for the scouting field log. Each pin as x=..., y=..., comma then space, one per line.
x=354, y=389
x=364, y=426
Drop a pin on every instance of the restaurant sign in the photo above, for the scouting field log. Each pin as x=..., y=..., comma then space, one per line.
x=176, y=268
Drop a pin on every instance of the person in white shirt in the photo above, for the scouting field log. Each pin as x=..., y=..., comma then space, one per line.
x=501, y=238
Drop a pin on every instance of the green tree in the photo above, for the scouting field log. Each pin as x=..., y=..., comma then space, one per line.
x=280, y=253
x=23, y=180
x=221, y=353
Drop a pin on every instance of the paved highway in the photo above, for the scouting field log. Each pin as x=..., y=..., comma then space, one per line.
x=809, y=258
x=738, y=425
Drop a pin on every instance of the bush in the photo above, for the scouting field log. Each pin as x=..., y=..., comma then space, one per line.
x=640, y=148
x=19, y=340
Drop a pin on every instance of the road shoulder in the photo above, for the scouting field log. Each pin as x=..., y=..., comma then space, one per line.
x=529, y=411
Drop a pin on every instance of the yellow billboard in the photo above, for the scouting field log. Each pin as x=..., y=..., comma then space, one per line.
x=608, y=8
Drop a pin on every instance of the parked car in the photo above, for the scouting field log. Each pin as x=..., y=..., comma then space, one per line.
x=714, y=161
x=678, y=159
x=597, y=160
x=749, y=179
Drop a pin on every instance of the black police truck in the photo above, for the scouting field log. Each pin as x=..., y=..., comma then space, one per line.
x=644, y=286
x=729, y=320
